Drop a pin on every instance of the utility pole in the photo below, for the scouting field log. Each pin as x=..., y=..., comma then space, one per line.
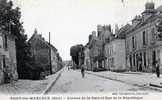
x=50, y=63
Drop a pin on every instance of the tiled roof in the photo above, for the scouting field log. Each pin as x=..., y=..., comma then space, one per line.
x=36, y=35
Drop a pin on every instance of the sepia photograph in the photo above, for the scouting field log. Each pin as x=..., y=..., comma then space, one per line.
x=81, y=49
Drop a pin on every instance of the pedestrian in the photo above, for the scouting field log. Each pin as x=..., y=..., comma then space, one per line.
x=157, y=69
x=82, y=71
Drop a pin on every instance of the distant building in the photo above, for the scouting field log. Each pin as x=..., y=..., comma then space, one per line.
x=87, y=61
x=41, y=53
x=8, y=62
x=96, y=52
x=144, y=40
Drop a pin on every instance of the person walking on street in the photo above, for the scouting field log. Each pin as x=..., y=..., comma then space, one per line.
x=157, y=69
x=82, y=71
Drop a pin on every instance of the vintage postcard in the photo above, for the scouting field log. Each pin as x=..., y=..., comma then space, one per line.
x=80, y=49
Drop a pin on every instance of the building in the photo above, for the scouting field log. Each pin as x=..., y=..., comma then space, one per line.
x=87, y=62
x=95, y=47
x=144, y=40
x=115, y=50
x=96, y=53
x=8, y=62
x=45, y=55
x=115, y=55
x=94, y=50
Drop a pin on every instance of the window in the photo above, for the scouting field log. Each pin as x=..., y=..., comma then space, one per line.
x=130, y=60
x=144, y=58
x=107, y=52
x=4, y=62
x=127, y=45
x=133, y=42
x=153, y=33
x=144, y=38
x=5, y=42
x=112, y=61
x=134, y=60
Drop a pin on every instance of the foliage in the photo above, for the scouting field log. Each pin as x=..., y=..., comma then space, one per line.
x=10, y=22
x=74, y=52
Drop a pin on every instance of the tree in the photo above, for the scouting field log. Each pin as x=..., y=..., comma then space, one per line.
x=10, y=21
x=74, y=53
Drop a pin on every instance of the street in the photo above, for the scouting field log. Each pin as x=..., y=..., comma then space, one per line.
x=72, y=82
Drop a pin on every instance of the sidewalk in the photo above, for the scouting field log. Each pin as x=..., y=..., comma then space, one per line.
x=134, y=78
x=28, y=86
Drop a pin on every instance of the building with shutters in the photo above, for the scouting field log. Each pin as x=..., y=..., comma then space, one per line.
x=144, y=40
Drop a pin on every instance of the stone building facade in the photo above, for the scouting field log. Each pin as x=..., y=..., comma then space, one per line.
x=8, y=62
x=44, y=54
x=114, y=50
x=144, y=41
x=115, y=55
x=96, y=52
x=87, y=61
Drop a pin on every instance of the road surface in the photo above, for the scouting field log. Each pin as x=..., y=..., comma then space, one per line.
x=72, y=82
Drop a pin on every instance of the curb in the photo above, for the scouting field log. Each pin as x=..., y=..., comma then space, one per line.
x=49, y=86
x=155, y=85
x=149, y=87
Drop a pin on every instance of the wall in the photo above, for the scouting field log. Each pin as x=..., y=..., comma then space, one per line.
x=54, y=61
x=10, y=58
x=119, y=54
x=115, y=54
x=87, y=59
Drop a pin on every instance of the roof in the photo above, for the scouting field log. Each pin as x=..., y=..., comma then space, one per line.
x=38, y=36
x=122, y=31
x=153, y=17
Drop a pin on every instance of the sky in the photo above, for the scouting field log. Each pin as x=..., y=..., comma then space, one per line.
x=72, y=21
